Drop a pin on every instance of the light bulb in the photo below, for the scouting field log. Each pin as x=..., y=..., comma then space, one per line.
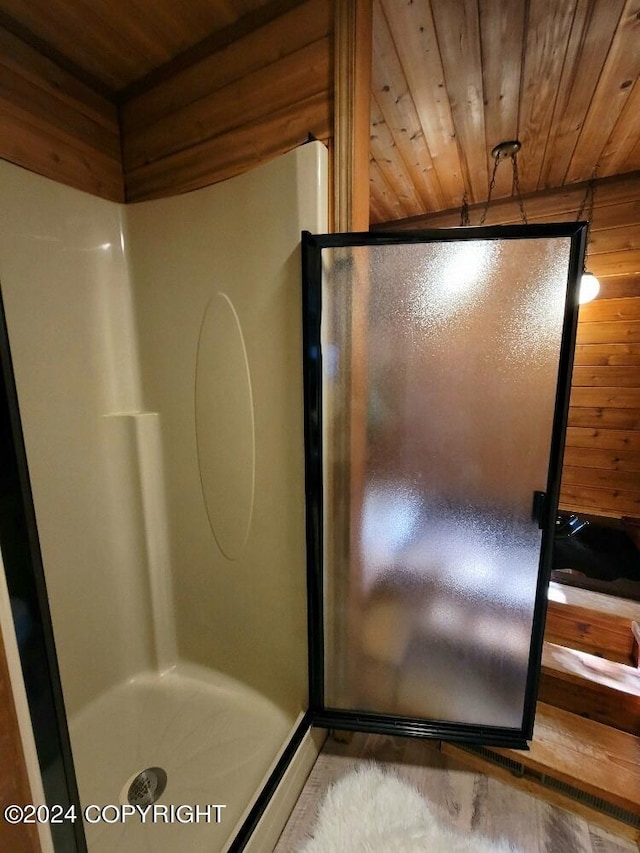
x=589, y=288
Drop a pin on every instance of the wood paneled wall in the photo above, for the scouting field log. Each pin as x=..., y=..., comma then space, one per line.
x=251, y=99
x=601, y=471
x=14, y=782
x=257, y=97
x=55, y=125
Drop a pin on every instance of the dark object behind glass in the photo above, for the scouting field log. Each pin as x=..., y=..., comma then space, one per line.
x=601, y=553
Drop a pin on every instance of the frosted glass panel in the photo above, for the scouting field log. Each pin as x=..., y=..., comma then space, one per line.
x=440, y=364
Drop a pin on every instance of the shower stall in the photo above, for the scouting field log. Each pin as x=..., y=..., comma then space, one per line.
x=235, y=557
x=156, y=351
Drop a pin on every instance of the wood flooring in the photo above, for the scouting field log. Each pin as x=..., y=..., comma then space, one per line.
x=464, y=799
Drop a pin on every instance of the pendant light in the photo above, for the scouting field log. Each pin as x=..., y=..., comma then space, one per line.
x=589, y=287
x=589, y=284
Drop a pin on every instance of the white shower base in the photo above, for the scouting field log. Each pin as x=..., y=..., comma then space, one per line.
x=214, y=738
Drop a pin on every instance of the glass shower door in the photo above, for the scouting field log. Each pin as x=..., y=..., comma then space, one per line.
x=437, y=379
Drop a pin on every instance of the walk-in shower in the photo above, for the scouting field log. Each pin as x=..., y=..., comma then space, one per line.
x=156, y=351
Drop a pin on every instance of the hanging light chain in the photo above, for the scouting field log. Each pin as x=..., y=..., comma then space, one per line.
x=589, y=286
x=491, y=186
x=516, y=184
x=588, y=199
x=464, y=211
x=588, y=202
x=500, y=152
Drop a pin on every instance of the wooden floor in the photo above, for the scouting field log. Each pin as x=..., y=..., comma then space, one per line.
x=464, y=799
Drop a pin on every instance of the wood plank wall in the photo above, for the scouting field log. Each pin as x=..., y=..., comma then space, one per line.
x=601, y=471
x=55, y=125
x=249, y=101
x=14, y=782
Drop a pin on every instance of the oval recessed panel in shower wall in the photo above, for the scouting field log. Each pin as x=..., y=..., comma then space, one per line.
x=225, y=426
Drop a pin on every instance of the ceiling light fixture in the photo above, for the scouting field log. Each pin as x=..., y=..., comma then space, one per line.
x=589, y=287
x=589, y=284
x=503, y=151
x=506, y=151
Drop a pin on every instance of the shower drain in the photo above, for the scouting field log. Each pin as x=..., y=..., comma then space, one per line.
x=147, y=787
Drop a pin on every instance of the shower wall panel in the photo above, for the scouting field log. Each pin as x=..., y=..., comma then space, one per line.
x=69, y=312
x=218, y=300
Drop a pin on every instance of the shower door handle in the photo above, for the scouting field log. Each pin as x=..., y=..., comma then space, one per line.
x=538, y=510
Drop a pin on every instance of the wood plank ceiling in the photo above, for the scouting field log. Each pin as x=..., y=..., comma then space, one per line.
x=452, y=78
x=114, y=43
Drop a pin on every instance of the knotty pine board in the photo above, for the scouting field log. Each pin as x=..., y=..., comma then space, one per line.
x=582, y=623
x=590, y=686
x=457, y=28
x=232, y=153
x=620, y=376
x=255, y=48
x=591, y=500
x=616, y=205
x=613, y=355
x=410, y=120
x=600, y=418
x=253, y=99
x=587, y=49
x=119, y=42
x=56, y=125
x=608, y=439
x=607, y=459
x=255, y=95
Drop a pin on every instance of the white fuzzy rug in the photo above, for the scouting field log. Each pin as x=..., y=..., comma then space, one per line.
x=371, y=811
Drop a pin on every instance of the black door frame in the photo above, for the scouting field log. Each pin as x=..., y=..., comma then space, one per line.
x=39, y=661
x=312, y=246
